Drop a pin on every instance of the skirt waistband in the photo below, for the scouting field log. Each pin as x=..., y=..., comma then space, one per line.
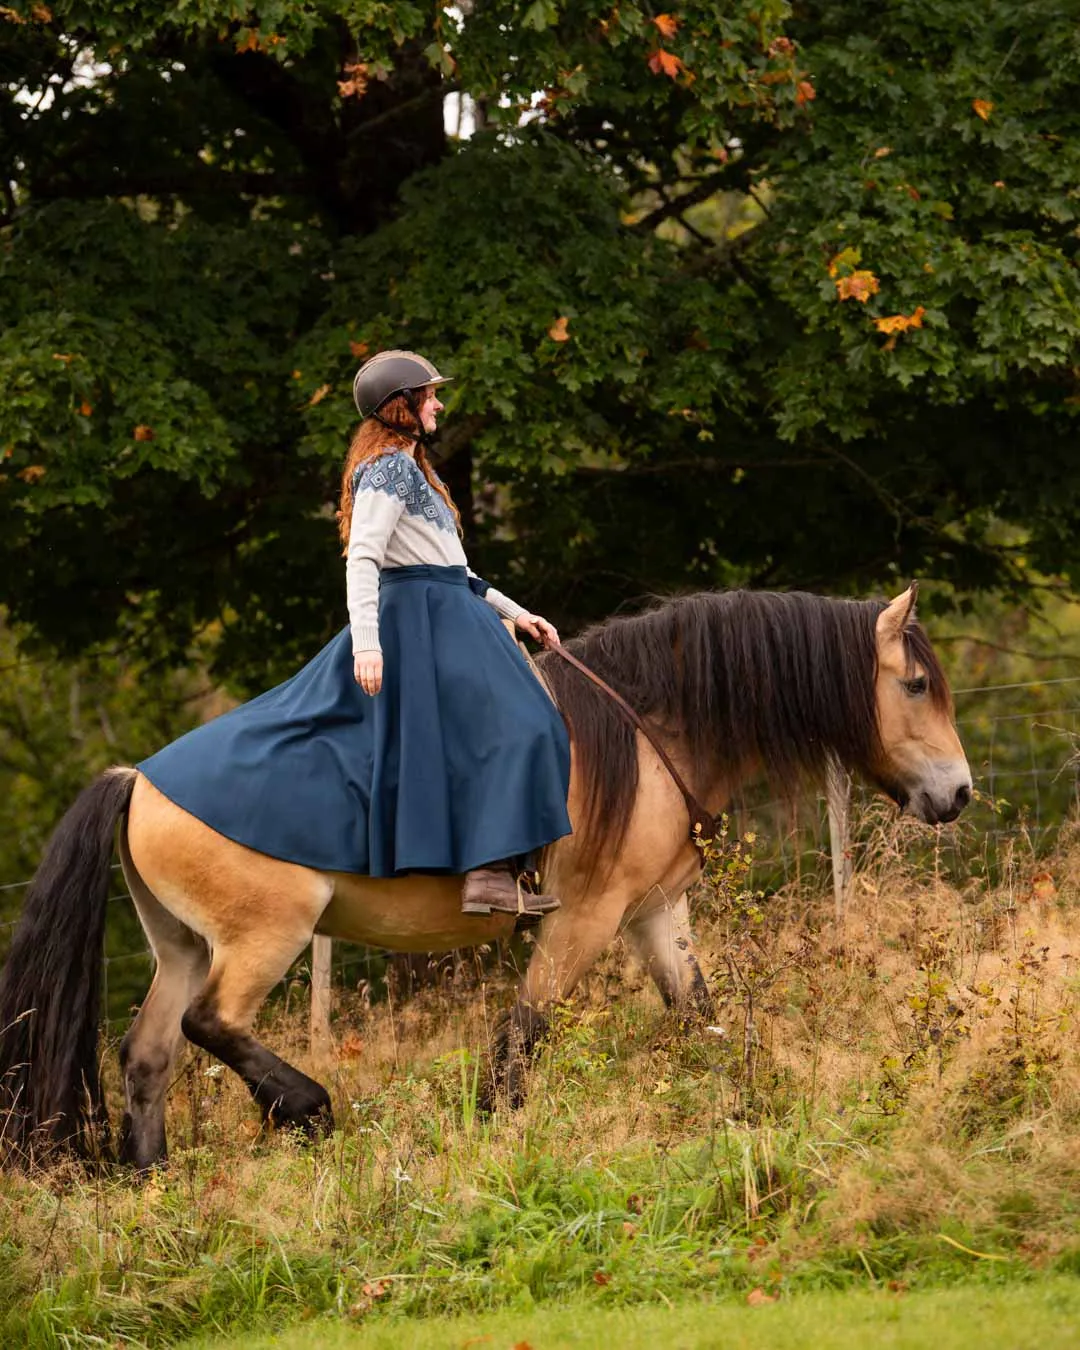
x=450, y=576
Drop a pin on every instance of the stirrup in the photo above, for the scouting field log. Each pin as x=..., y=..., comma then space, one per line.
x=529, y=909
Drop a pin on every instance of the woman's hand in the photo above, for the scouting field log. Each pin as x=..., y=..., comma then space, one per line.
x=367, y=671
x=545, y=633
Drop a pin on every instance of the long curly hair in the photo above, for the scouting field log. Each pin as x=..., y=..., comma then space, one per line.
x=371, y=440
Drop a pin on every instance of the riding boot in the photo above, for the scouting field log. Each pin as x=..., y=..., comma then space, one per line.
x=498, y=889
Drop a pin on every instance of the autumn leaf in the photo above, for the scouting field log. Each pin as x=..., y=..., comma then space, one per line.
x=781, y=46
x=351, y=1047
x=319, y=394
x=1042, y=886
x=756, y=1298
x=662, y=62
x=355, y=86
x=62, y=356
x=84, y=408
x=900, y=323
x=668, y=25
x=10, y=15
x=860, y=285
x=42, y=13
x=247, y=40
x=32, y=473
x=804, y=93
x=847, y=257
x=143, y=433
x=882, y=151
x=558, y=330
x=359, y=349
x=601, y=1277
x=983, y=108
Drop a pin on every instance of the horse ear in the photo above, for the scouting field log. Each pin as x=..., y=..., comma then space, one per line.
x=896, y=616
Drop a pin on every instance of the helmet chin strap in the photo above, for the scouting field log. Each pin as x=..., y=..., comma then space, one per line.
x=421, y=437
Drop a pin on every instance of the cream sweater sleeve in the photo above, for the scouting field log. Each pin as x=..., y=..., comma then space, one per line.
x=503, y=606
x=375, y=514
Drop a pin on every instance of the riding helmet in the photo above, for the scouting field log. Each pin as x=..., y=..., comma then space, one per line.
x=390, y=373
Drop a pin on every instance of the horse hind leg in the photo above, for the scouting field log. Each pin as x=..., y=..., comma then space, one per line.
x=220, y=1019
x=663, y=942
x=149, y=1050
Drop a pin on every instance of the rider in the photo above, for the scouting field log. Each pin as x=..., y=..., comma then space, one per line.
x=470, y=756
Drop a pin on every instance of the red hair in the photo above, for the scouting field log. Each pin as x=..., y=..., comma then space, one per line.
x=371, y=440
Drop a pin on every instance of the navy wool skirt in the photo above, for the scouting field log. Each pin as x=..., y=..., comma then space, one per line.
x=461, y=759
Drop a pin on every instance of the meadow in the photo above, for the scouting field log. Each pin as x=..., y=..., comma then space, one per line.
x=892, y=1107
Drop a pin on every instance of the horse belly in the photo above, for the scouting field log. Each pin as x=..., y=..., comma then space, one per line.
x=406, y=914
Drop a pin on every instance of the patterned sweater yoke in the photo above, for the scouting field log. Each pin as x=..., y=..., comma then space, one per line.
x=399, y=520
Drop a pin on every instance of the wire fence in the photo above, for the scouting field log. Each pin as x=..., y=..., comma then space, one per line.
x=1023, y=744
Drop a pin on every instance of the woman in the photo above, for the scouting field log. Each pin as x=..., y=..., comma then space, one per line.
x=418, y=739
x=458, y=692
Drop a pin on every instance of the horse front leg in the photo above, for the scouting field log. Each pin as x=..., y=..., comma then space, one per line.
x=567, y=944
x=661, y=939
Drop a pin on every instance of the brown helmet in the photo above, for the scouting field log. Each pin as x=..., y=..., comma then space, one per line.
x=390, y=373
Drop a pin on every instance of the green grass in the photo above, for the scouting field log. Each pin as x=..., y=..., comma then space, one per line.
x=1042, y=1315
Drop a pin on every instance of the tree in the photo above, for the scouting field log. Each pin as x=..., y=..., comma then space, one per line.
x=768, y=295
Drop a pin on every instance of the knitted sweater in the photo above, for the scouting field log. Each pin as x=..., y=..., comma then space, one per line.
x=399, y=520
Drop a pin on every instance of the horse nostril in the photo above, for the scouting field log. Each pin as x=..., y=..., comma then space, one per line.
x=963, y=796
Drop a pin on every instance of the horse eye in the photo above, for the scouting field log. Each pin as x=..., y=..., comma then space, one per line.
x=917, y=686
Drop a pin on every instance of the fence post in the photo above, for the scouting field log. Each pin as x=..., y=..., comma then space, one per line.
x=320, y=996
x=838, y=796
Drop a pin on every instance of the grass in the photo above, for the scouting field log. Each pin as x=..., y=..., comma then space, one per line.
x=895, y=1107
x=1017, y=1317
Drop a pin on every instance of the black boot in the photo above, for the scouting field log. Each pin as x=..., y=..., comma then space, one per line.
x=498, y=889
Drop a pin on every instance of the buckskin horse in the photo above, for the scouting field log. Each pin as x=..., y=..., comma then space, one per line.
x=728, y=686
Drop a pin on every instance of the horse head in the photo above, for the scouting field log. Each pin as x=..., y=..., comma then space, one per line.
x=922, y=763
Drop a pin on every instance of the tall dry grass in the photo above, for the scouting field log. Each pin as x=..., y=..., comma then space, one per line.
x=894, y=1100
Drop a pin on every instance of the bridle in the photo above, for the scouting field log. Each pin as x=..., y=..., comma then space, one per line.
x=704, y=826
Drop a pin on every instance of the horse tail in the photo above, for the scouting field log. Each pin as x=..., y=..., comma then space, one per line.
x=50, y=987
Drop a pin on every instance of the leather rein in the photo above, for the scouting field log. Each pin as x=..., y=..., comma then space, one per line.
x=704, y=826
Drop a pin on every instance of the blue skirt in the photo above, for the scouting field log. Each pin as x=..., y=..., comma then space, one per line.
x=461, y=758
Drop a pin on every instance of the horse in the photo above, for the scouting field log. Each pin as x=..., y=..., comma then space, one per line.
x=734, y=685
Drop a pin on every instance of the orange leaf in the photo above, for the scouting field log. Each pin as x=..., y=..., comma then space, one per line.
x=85, y=408
x=10, y=15
x=757, y=1297
x=983, y=107
x=319, y=394
x=882, y=151
x=665, y=63
x=359, y=348
x=42, y=13
x=859, y=286
x=781, y=46
x=900, y=323
x=668, y=25
x=804, y=93
x=61, y=356
x=143, y=433
x=601, y=1277
x=557, y=332
x=351, y=1047
x=1042, y=886
x=31, y=473
x=249, y=42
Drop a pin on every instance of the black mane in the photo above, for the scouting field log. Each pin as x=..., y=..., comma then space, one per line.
x=782, y=680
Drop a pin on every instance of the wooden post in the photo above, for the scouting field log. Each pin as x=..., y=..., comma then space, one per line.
x=838, y=796
x=320, y=997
